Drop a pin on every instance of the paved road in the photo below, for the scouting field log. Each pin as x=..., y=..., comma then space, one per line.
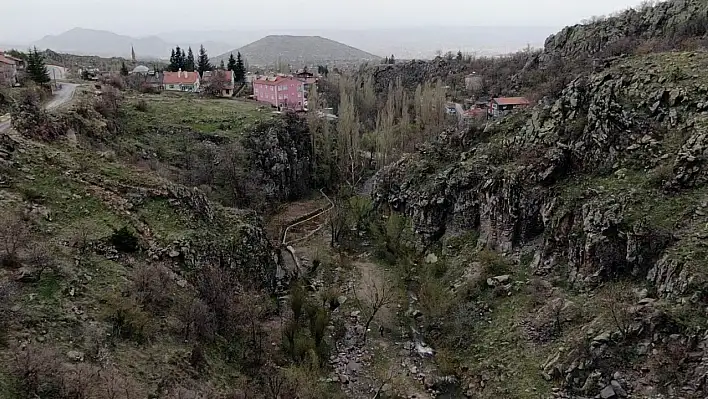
x=62, y=96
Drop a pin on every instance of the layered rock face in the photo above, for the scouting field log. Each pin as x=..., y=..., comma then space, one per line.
x=665, y=20
x=566, y=172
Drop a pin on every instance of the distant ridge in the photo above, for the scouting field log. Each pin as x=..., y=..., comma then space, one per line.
x=298, y=50
x=103, y=43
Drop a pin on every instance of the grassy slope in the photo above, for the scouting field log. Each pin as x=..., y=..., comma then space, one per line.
x=84, y=194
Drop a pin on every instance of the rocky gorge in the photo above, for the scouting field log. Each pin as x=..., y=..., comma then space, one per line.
x=599, y=188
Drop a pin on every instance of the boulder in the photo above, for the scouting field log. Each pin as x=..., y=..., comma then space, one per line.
x=607, y=392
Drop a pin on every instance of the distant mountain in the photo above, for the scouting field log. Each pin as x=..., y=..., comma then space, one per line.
x=81, y=41
x=404, y=43
x=298, y=50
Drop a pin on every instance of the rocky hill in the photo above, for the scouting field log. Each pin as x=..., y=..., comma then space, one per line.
x=298, y=51
x=598, y=199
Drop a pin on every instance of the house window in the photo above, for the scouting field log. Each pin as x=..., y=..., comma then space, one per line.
x=172, y=86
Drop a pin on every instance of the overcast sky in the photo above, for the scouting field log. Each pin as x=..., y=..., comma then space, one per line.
x=23, y=21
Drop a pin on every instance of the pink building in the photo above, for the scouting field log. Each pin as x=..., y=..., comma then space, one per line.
x=283, y=92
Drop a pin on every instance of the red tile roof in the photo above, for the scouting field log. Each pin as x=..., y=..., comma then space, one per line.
x=17, y=60
x=511, y=101
x=6, y=60
x=273, y=81
x=174, y=78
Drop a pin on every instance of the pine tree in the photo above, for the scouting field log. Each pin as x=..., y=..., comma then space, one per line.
x=179, y=59
x=36, y=69
x=183, y=60
x=239, y=69
x=124, y=69
x=222, y=66
x=189, y=62
x=203, y=62
x=173, y=62
x=232, y=63
x=459, y=55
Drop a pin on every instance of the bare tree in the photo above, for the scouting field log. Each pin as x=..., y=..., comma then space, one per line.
x=617, y=299
x=14, y=236
x=338, y=219
x=374, y=296
x=40, y=257
x=215, y=82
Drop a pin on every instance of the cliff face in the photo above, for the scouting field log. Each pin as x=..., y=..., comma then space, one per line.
x=604, y=184
x=279, y=153
x=677, y=19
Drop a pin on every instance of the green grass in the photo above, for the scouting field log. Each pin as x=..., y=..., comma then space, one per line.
x=48, y=286
x=165, y=221
x=229, y=117
x=501, y=347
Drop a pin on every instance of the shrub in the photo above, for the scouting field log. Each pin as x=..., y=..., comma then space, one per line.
x=40, y=258
x=197, y=359
x=128, y=319
x=32, y=121
x=661, y=175
x=141, y=106
x=37, y=371
x=124, y=240
x=7, y=296
x=151, y=286
x=493, y=263
x=115, y=81
x=297, y=300
x=198, y=321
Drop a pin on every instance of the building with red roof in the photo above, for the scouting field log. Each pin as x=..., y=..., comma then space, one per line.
x=8, y=71
x=181, y=81
x=502, y=105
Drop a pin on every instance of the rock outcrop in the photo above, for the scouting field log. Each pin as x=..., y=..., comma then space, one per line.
x=577, y=173
x=278, y=153
x=668, y=20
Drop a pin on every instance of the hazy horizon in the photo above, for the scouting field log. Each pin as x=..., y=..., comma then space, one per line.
x=138, y=18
